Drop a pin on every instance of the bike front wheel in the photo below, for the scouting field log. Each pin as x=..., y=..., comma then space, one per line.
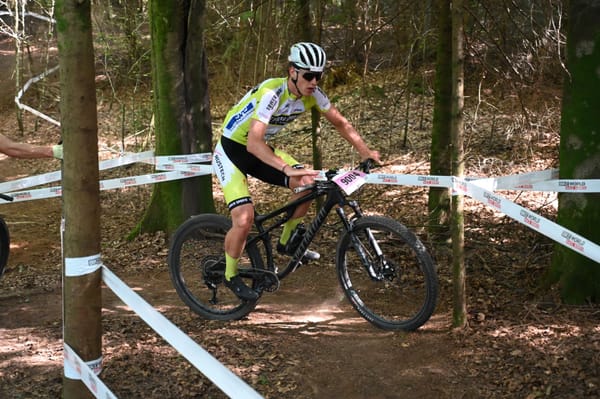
x=197, y=267
x=387, y=274
x=4, y=245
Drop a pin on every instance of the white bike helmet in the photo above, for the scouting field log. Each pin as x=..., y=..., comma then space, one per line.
x=308, y=56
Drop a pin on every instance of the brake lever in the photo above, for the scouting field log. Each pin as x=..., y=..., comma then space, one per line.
x=303, y=188
x=367, y=165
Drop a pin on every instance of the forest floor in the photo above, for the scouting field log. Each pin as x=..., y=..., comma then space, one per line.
x=305, y=340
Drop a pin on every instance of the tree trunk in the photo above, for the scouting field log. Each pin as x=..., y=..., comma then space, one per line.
x=579, y=276
x=81, y=189
x=441, y=162
x=19, y=21
x=182, y=109
x=459, y=315
x=306, y=34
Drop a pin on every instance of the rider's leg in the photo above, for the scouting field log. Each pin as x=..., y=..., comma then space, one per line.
x=242, y=218
x=299, y=212
x=295, y=220
x=290, y=225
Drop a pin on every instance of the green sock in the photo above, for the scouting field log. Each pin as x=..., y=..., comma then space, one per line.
x=288, y=227
x=231, y=266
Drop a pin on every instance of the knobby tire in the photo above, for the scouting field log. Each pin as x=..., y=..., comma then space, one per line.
x=4, y=245
x=196, y=260
x=403, y=295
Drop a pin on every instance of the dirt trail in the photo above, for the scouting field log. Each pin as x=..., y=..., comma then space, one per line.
x=304, y=341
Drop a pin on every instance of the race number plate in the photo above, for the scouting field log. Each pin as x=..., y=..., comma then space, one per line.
x=350, y=181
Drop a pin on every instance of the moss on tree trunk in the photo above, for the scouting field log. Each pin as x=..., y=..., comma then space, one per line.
x=579, y=276
x=182, y=109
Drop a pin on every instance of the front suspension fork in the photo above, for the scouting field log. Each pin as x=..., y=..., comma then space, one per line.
x=357, y=244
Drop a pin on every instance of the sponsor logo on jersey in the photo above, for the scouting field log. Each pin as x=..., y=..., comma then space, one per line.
x=219, y=166
x=240, y=116
x=273, y=103
x=282, y=119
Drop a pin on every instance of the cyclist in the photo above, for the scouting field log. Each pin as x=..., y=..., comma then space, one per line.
x=25, y=150
x=243, y=150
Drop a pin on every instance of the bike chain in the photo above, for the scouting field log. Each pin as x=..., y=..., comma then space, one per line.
x=266, y=280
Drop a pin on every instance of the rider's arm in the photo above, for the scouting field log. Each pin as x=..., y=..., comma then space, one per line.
x=24, y=150
x=259, y=148
x=348, y=132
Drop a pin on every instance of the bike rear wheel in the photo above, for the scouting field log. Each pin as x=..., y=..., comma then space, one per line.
x=400, y=290
x=4, y=245
x=197, y=267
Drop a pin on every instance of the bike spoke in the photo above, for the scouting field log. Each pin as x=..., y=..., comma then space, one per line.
x=197, y=266
x=392, y=290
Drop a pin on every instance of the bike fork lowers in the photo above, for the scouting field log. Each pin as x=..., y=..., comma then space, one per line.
x=357, y=244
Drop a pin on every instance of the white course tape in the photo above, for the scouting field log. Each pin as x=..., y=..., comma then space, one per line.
x=122, y=182
x=35, y=78
x=410, y=180
x=178, y=170
x=51, y=177
x=26, y=87
x=87, y=372
x=126, y=159
x=185, y=166
x=546, y=180
x=530, y=219
x=31, y=181
x=187, y=158
x=81, y=266
x=524, y=181
x=30, y=14
x=73, y=367
x=225, y=379
x=193, y=168
x=568, y=186
x=110, y=184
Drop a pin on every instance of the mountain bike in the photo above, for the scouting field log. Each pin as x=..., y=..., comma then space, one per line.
x=384, y=269
x=4, y=238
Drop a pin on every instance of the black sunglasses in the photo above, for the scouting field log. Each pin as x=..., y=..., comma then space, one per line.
x=309, y=76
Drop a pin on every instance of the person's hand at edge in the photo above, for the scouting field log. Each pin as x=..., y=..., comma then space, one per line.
x=57, y=151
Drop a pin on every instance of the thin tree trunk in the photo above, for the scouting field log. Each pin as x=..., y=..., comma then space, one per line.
x=81, y=190
x=459, y=314
x=306, y=34
x=19, y=20
x=441, y=163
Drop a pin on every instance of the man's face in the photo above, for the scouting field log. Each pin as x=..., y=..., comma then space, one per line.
x=307, y=81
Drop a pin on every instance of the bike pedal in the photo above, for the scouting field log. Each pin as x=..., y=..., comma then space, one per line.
x=267, y=280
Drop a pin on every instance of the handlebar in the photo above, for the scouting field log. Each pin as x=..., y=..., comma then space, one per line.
x=364, y=166
x=6, y=197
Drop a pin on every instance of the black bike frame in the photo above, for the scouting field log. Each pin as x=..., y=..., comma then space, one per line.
x=333, y=197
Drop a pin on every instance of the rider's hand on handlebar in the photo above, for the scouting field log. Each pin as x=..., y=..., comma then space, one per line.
x=374, y=155
x=291, y=172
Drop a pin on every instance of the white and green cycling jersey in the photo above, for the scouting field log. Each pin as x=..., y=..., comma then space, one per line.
x=271, y=103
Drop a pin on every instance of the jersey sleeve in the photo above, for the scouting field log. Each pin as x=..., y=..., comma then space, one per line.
x=321, y=100
x=268, y=101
